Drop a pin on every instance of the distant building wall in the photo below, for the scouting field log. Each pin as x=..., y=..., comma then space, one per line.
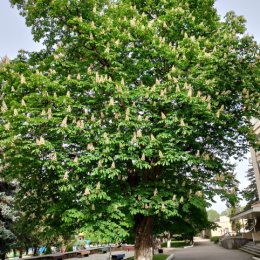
x=224, y=226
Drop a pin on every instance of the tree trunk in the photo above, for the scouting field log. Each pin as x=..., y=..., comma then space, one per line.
x=143, y=238
x=2, y=256
x=34, y=250
x=169, y=240
x=20, y=252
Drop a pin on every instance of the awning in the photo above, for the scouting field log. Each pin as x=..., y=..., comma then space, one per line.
x=252, y=213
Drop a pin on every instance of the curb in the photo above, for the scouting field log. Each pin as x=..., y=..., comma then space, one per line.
x=170, y=257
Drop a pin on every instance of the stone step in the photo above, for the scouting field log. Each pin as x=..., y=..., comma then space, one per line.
x=251, y=248
x=250, y=252
x=250, y=244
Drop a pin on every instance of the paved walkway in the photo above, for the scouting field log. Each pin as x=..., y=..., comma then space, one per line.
x=203, y=250
x=206, y=250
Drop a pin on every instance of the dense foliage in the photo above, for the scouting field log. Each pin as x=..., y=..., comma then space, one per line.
x=130, y=114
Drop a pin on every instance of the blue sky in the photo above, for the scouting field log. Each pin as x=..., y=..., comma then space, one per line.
x=248, y=8
x=14, y=35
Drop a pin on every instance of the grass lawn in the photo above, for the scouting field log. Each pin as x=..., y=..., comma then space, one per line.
x=155, y=257
x=160, y=257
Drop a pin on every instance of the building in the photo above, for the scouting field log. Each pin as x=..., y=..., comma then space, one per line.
x=224, y=227
x=253, y=214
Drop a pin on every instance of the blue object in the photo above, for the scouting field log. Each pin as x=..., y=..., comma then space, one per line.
x=87, y=243
x=42, y=249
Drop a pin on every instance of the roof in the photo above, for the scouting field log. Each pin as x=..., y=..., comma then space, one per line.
x=252, y=213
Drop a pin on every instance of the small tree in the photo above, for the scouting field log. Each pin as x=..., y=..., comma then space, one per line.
x=129, y=115
x=213, y=215
x=7, y=217
x=191, y=221
x=250, y=193
x=28, y=234
x=226, y=212
x=235, y=224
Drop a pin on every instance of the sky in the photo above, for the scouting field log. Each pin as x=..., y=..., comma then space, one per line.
x=14, y=35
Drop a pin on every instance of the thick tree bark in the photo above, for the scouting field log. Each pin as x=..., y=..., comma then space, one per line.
x=143, y=238
x=169, y=240
x=35, y=250
x=2, y=256
x=20, y=252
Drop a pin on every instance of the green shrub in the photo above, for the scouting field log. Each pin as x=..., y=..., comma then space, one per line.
x=177, y=244
x=214, y=239
x=70, y=248
x=155, y=257
x=48, y=250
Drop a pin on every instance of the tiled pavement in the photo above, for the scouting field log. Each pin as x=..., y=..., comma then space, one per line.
x=202, y=250
x=104, y=256
x=206, y=250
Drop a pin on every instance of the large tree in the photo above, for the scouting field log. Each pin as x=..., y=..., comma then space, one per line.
x=131, y=112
